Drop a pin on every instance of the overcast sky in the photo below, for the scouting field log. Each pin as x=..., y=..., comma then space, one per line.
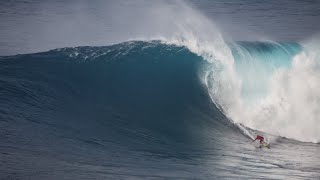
x=38, y=25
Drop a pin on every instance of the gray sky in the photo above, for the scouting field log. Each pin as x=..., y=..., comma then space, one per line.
x=38, y=25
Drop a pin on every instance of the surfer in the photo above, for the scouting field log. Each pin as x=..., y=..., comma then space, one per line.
x=260, y=138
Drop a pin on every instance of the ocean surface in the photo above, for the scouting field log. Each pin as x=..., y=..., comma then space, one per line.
x=159, y=90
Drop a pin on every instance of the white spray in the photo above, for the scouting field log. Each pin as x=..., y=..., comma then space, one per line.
x=290, y=107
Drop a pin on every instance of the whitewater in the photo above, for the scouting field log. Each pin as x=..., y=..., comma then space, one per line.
x=176, y=97
x=272, y=87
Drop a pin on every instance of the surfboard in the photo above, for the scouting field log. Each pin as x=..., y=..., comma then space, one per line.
x=265, y=145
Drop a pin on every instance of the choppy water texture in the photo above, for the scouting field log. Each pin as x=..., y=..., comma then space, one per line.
x=184, y=106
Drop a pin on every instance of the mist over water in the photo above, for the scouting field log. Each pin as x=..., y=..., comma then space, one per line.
x=166, y=89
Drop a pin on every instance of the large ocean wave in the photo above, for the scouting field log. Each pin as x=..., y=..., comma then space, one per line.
x=153, y=98
x=165, y=94
x=265, y=86
x=271, y=87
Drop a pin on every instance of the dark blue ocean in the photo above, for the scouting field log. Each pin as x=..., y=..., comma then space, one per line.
x=159, y=90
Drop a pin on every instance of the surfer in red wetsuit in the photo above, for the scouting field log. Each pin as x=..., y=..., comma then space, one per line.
x=260, y=138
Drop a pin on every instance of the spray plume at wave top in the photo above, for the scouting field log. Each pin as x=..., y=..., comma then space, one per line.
x=272, y=87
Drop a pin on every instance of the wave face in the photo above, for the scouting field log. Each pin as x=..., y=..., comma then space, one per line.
x=152, y=83
x=112, y=112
